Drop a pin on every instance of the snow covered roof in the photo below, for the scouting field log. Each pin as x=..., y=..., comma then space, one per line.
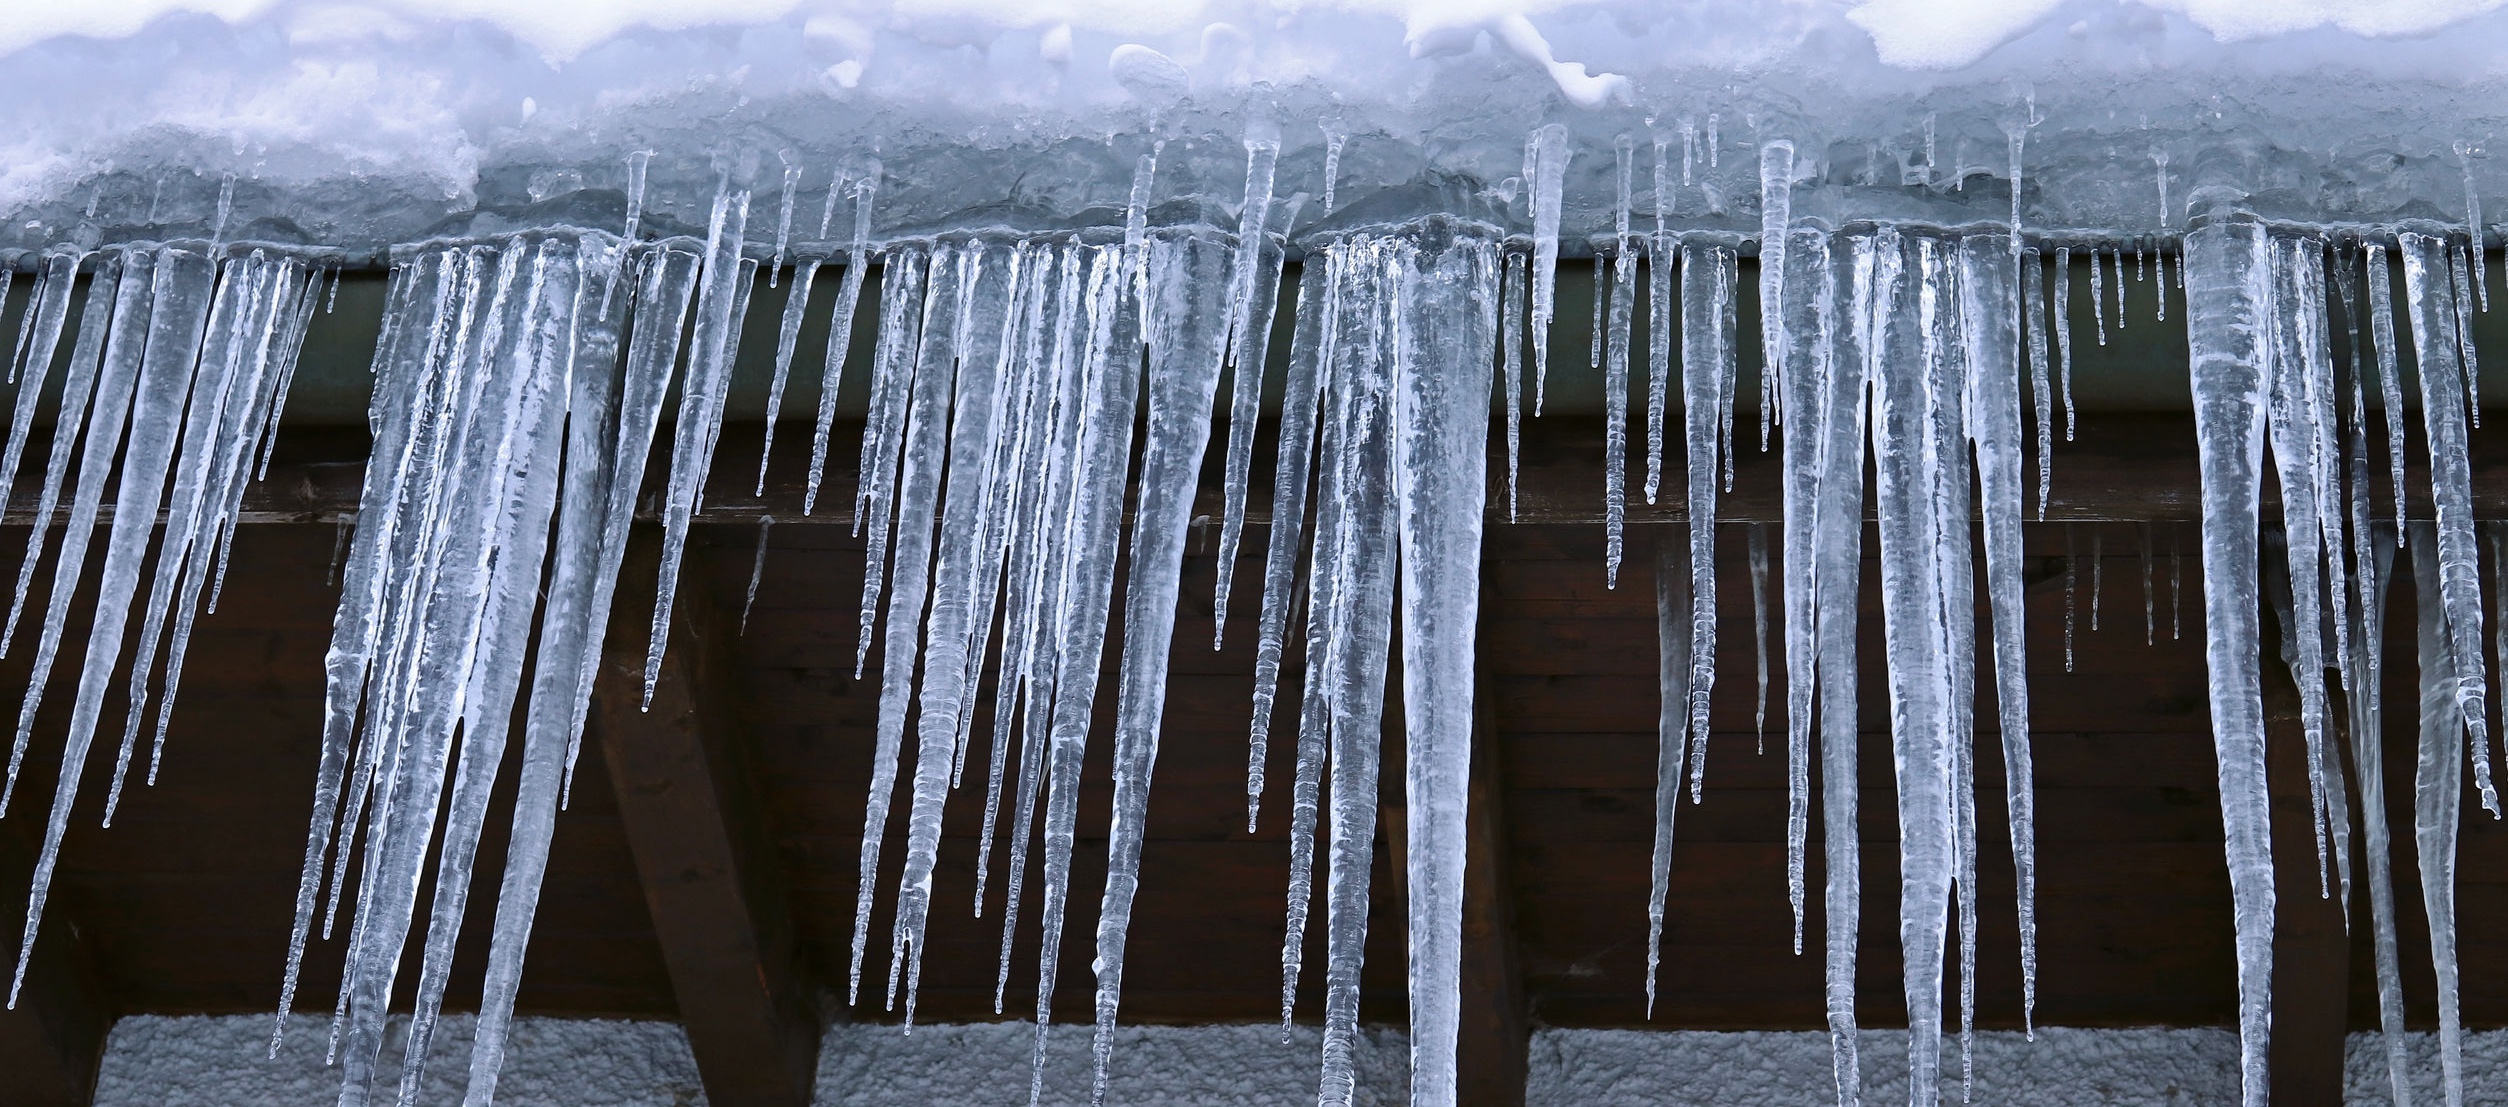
x=359, y=123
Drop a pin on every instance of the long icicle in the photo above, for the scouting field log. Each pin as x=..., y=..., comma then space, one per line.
x=2228, y=309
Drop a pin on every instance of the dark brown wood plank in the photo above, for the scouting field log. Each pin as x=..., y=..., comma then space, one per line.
x=684, y=794
x=2311, y=948
x=52, y=1037
x=1493, y=1055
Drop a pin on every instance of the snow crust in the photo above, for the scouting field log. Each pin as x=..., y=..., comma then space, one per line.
x=356, y=124
x=197, y=1061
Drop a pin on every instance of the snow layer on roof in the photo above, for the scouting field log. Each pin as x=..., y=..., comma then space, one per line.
x=359, y=123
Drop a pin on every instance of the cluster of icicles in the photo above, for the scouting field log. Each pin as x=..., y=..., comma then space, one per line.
x=520, y=384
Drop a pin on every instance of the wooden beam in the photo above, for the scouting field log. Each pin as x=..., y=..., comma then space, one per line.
x=2120, y=467
x=2311, y=946
x=710, y=877
x=51, y=1041
x=1496, y=1040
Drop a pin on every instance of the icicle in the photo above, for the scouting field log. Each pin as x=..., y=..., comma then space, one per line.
x=1334, y=140
x=892, y=380
x=1615, y=403
x=2098, y=293
x=526, y=477
x=2368, y=761
x=2117, y=257
x=1672, y=641
x=783, y=224
x=1988, y=305
x=2033, y=316
x=2150, y=612
x=1188, y=346
x=2451, y=477
x=721, y=300
x=1602, y=301
x=1110, y=398
x=921, y=451
x=2229, y=300
x=2159, y=171
x=246, y=304
x=1547, y=151
x=608, y=430
x=1253, y=292
x=1511, y=339
x=787, y=339
x=1318, y=299
x=840, y=341
x=2438, y=784
x=2063, y=311
x=2072, y=593
x=757, y=572
x=1706, y=361
x=1838, y=544
x=2380, y=277
x=2469, y=365
x=1776, y=196
x=988, y=281
x=1810, y=322
x=47, y=310
x=2176, y=588
x=1908, y=286
x=1661, y=250
x=1440, y=446
x=2098, y=573
x=2159, y=288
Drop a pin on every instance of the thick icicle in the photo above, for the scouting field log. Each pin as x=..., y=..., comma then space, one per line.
x=1706, y=370
x=1910, y=277
x=1253, y=293
x=1354, y=681
x=1547, y=153
x=1809, y=323
x=2435, y=317
x=2436, y=790
x=1994, y=427
x=1838, y=548
x=1440, y=443
x=2228, y=326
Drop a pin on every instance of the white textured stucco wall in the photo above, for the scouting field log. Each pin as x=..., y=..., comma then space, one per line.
x=204, y=1061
